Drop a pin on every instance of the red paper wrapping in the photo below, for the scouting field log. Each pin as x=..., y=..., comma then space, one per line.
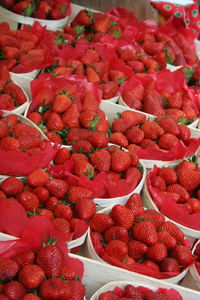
x=18, y=163
x=48, y=81
x=170, y=208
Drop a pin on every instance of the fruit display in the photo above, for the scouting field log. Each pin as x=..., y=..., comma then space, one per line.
x=46, y=10
x=175, y=192
x=139, y=240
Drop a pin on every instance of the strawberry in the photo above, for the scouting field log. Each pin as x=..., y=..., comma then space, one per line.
x=38, y=178
x=137, y=66
x=101, y=222
x=14, y=290
x=121, y=125
x=8, y=268
x=54, y=122
x=28, y=200
x=152, y=130
x=159, y=183
x=7, y=102
x=102, y=24
x=182, y=254
x=152, y=105
x=133, y=176
x=83, y=167
x=4, y=130
x=12, y=186
x=98, y=139
x=2, y=196
x=54, y=288
x=78, y=192
x=76, y=134
x=170, y=265
x=10, y=120
x=132, y=292
x=173, y=230
x=194, y=204
x=30, y=296
x=101, y=160
x=9, y=143
x=157, y=252
x=46, y=213
x=134, y=135
x=165, y=238
x=88, y=118
x=175, y=101
x=118, y=139
x=167, y=141
x=109, y=89
x=54, y=138
x=28, y=142
x=180, y=190
x=91, y=75
x=151, y=264
x=170, y=126
x=61, y=103
x=42, y=193
x=61, y=156
x=185, y=165
x=132, y=101
x=45, y=97
x=145, y=232
x=185, y=133
x=35, y=117
x=189, y=179
x=31, y=276
x=22, y=129
x=117, y=249
x=61, y=225
x=169, y=175
x=147, y=143
x=134, y=203
x=4, y=72
x=57, y=187
x=89, y=102
x=15, y=92
x=156, y=218
x=122, y=216
x=116, y=233
x=90, y=56
x=120, y=161
x=24, y=258
x=63, y=211
x=134, y=159
x=136, y=249
x=85, y=208
x=78, y=289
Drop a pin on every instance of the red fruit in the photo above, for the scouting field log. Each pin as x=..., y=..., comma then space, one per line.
x=15, y=92
x=30, y=296
x=90, y=57
x=2, y=196
x=24, y=258
x=134, y=159
x=78, y=192
x=159, y=183
x=28, y=200
x=170, y=126
x=189, y=179
x=109, y=89
x=137, y=66
x=175, y=101
x=134, y=135
x=8, y=268
x=157, y=252
x=153, y=216
x=182, y=254
x=83, y=167
x=152, y=130
x=101, y=160
x=136, y=249
x=134, y=203
x=151, y=264
x=57, y=187
x=85, y=208
x=38, y=177
x=181, y=191
x=195, y=205
x=167, y=141
x=185, y=133
x=133, y=176
x=116, y=233
x=173, y=230
x=101, y=222
x=169, y=175
x=153, y=104
x=42, y=193
x=118, y=139
x=136, y=117
x=63, y=211
x=145, y=232
x=51, y=203
x=61, y=156
x=77, y=288
x=166, y=238
x=98, y=139
x=122, y=216
x=54, y=122
x=14, y=290
x=117, y=249
x=185, y=165
x=61, y=103
x=55, y=288
x=170, y=265
x=82, y=146
x=61, y=225
x=10, y=120
x=31, y=276
x=9, y=143
x=22, y=129
x=12, y=186
x=121, y=125
x=91, y=75
x=35, y=117
x=132, y=292
x=4, y=130
x=46, y=213
x=120, y=161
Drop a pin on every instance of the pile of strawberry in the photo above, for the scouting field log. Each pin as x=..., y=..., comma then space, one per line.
x=140, y=240
x=46, y=9
x=11, y=95
x=140, y=293
x=133, y=130
x=182, y=185
x=41, y=275
x=23, y=50
x=65, y=206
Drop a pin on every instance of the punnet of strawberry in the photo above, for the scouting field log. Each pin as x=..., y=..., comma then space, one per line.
x=45, y=10
x=24, y=50
x=139, y=240
x=11, y=96
x=39, y=196
x=176, y=192
x=22, y=146
x=130, y=291
x=107, y=170
x=168, y=139
x=38, y=267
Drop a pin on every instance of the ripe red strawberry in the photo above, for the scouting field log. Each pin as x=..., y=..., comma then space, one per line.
x=118, y=139
x=147, y=143
x=35, y=117
x=54, y=138
x=51, y=203
x=153, y=216
x=78, y=192
x=98, y=139
x=54, y=288
x=137, y=249
x=24, y=258
x=14, y=290
x=85, y=208
x=173, y=230
x=61, y=156
x=137, y=118
x=63, y=211
x=159, y=183
x=145, y=232
x=180, y=190
x=15, y=92
x=166, y=238
x=31, y=276
x=61, y=225
x=109, y=89
x=4, y=129
x=170, y=126
x=54, y=122
x=7, y=102
x=101, y=222
x=57, y=187
x=92, y=75
x=134, y=135
x=116, y=233
x=82, y=167
x=189, y=179
x=134, y=203
x=194, y=204
x=9, y=143
x=77, y=288
x=152, y=130
x=30, y=296
x=134, y=159
x=50, y=259
x=169, y=265
x=38, y=177
x=120, y=161
x=22, y=129
x=61, y=103
x=167, y=141
x=185, y=133
x=151, y=264
x=117, y=249
x=122, y=216
x=8, y=268
x=153, y=104
x=28, y=142
x=46, y=213
x=76, y=134
x=42, y=193
x=185, y=165
x=169, y=175
x=132, y=292
x=133, y=176
x=68, y=273
x=82, y=146
x=2, y=196
x=121, y=125
x=101, y=160
x=175, y=101
x=12, y=186
x=10, y=120
x=28, y=200
x=182, y=254
x=102, y=126
x=157, y=252
x=90, y=57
